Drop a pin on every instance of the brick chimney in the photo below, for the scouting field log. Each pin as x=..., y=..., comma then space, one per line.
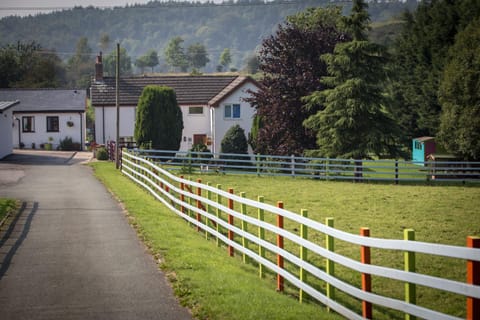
x=99, y=68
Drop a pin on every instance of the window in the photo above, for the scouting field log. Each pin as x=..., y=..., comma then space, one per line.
x=232, y=111
x=52, y=124
x=28, y=124
x=195, y=110
x=418, y=145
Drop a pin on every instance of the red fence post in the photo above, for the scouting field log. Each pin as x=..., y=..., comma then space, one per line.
x=280, y=282
x=230, y=222
x=473, y=277
x=199, y=204
x=182, y=197
x=366, y=278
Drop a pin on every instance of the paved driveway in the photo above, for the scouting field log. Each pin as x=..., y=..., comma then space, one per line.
x=71, y=253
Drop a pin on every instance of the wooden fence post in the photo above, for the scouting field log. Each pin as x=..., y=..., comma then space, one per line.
x=410, y=288
x=182, y=197
x=199, y=204
x=473, y=277
x=280, y=281
x=303, y=253
x=218, y=212
x=261, y=235
x=230, y=222
x=329, y=266
x=244, y=227
x=366, y=278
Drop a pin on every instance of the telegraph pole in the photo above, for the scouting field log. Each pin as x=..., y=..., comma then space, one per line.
x=117, y=104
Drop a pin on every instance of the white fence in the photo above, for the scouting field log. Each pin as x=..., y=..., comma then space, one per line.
x=230, y=226
x=317, y=168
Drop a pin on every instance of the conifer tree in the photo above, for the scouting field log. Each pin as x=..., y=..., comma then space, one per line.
x=353, y=122
x=159, y=121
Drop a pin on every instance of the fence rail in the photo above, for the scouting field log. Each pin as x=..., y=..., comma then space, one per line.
x=316, y=168
x=219, y=219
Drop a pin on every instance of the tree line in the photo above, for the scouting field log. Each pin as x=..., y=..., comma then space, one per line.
x=354, y=98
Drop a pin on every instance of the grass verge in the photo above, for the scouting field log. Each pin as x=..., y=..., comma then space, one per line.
x=6, y=207
x=211, y=284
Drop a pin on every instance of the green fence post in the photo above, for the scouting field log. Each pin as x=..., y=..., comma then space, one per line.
x=410, y=289
x=209, y=197
x=303, y=253
x=329, y=266
x=218, y=212
x=244, y=227
x=261, y=235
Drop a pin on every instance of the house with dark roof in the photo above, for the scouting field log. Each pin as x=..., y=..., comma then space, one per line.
x=6, y=123
x=46, y=116
x=210, y=105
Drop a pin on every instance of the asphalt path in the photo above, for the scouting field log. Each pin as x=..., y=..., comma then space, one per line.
x=70, y=253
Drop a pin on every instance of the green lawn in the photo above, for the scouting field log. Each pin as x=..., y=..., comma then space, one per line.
x=6, y=206
x=439, y=214
x=205, y=279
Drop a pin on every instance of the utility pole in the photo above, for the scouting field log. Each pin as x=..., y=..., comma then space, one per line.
x=117, y=104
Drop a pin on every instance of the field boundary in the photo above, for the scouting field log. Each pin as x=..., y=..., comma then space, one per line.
x=212, y=211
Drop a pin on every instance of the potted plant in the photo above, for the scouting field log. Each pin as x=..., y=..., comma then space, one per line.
x=49, y=145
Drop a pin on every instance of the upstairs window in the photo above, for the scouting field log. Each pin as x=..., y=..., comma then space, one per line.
x=28, y=124
x=232, y=111
x=52, y=124
x=195, y=110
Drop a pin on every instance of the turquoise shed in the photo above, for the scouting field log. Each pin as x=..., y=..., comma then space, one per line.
x=422, y=147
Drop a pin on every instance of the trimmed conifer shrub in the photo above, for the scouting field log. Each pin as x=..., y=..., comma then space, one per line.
x=159, y=121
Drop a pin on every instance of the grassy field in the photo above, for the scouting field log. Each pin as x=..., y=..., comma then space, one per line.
x=6, y=206
x=439, y=214
x=204, y=278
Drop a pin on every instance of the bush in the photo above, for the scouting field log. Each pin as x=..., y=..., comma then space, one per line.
x=67, y=144
x=235, y=142
x=159, y=119
x=102, y=154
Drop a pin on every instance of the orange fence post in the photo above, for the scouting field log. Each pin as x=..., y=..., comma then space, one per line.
x=199, y=204
x=230, y=222
x=182, y=197
x=366, y=278
x=473, y=277
x=280, y=284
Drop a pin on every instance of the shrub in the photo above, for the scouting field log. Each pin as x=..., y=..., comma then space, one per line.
x=235, y=142
x=102, y=154
x=159, y=119
x=67, y=144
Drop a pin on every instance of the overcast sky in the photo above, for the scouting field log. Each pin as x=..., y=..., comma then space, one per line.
x=24, y=7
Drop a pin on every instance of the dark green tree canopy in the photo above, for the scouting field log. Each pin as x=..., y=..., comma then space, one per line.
x=197, y=55
x=460, y=95
x=234, y=141
x=354, y=123
x=175, y=54
x=290, y=61
x=159, y=121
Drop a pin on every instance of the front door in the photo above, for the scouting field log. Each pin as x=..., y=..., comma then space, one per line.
x=199, y=139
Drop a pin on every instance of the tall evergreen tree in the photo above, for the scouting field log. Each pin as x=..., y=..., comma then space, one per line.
x=460, y=96
x=159, y=121
x=354, y=123
x=290, y=61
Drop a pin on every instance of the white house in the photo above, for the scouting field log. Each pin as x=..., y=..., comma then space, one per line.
x=6, y=122
x=210, y=105
x=46, y=116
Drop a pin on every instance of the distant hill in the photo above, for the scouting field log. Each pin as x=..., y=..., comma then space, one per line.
x=239, y=25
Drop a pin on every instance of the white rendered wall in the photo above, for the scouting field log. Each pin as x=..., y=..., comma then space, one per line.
x=246, y=115
x=41, y=136
x=6, y=146
x=127, y=123
x=194, y=124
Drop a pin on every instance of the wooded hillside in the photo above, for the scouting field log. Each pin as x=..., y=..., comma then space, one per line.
x=239, y=26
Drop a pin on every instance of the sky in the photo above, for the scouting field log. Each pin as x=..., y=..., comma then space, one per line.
x=25, y=7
